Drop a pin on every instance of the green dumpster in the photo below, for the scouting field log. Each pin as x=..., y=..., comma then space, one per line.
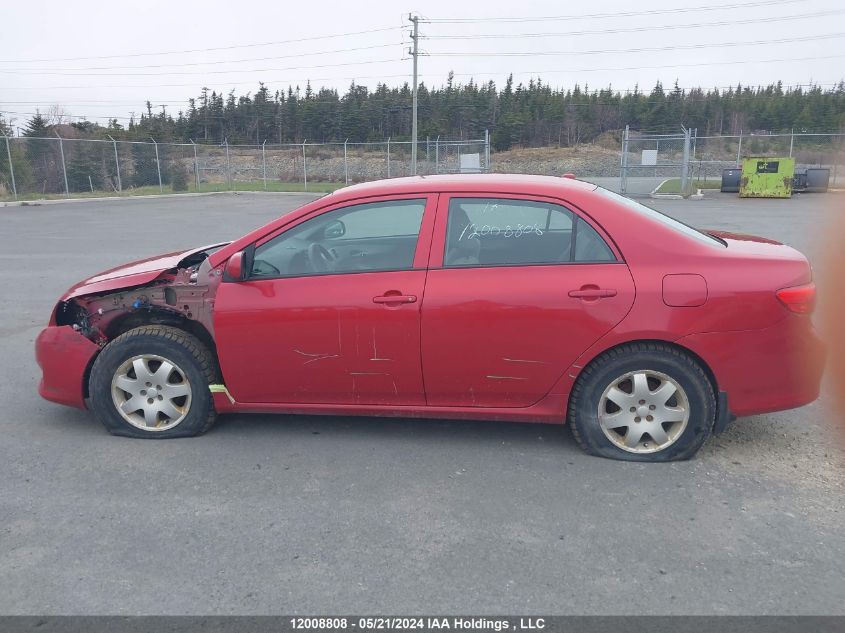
x=764, y=177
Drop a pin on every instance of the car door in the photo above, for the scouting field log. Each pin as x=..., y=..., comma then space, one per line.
x=518, y=288
x=330, y=310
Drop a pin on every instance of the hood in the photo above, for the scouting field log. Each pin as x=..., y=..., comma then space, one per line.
x=135, y=273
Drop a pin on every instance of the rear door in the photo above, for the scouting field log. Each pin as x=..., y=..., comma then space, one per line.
x=518, y=288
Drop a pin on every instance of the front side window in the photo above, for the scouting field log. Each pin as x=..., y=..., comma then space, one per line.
x=502, y=232
x=377, y=236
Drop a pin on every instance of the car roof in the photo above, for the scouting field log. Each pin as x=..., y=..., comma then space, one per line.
x=488, y=183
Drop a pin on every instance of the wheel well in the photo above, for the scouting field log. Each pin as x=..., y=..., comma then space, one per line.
x=153, y=316
x=714, y=384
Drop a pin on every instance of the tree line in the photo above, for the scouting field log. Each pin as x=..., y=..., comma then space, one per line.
x=522, y=115
x=526, y=115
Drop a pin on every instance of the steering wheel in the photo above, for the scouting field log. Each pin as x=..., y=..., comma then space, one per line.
x=320, y=259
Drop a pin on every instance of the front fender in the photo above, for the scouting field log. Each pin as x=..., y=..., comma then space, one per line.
x=64, y=356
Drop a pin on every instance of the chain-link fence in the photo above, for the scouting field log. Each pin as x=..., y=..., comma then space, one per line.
x=58, y=167
x=649, y=159
x=45, y=167
x=712, y=154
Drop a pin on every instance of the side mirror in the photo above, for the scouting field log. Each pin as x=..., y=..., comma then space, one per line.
x=235, y=267
x=334, y=229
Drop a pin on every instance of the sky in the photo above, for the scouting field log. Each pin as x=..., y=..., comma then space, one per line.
x=97, y=60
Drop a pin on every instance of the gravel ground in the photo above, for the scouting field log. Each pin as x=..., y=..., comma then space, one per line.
x=295, y=514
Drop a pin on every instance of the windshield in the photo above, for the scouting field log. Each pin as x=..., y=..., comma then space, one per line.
x=672, y=223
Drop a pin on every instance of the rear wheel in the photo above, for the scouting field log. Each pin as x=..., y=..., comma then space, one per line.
x=642, y=402
x=152, y=382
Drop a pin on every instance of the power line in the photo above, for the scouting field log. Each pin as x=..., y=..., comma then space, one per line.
x=381, y=77
x=638, y=29
x=68, y=72
x=657, y=67
x=643, y=49
x=292, y=81
x=710, y=7
x=436, y=37
x=201, y=72
x=200, y=50
x=38, y=71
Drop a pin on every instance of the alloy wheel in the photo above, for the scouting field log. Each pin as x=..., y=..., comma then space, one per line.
x=151, y=392
x=643, y=411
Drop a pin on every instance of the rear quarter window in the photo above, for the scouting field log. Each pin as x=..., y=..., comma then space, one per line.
x=664, y=219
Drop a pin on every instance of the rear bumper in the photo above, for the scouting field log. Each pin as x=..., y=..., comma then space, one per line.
x=64, y=356
x=772, y=369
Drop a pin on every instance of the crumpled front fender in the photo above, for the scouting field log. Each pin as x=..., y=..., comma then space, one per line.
x=64, y=356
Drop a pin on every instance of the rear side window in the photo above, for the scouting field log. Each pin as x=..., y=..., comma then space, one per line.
x=506, y=232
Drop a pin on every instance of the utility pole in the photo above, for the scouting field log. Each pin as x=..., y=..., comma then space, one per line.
x=415, y=53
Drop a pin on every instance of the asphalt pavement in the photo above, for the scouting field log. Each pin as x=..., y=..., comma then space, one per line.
x=296, y=514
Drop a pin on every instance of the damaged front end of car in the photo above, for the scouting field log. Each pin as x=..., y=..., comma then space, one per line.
x=176, y=290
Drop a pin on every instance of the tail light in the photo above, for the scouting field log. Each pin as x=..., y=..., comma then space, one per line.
x=799, y=299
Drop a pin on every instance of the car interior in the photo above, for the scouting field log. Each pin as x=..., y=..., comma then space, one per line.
x=368, y=237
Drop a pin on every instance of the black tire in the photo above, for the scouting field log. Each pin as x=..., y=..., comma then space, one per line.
x=657, y=357
x=178, y=346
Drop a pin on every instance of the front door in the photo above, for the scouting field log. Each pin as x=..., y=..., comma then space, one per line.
x=523, y=287
x=330, y=311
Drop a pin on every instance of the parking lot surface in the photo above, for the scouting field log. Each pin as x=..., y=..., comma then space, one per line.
x=296, y=514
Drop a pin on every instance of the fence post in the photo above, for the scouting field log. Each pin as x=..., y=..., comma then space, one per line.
x=158, y=166
x=12, y=168
x=428, y=149
x=739, y=150
x=487, y=151
x=64, y=168
x=791, y=140
x=345, y=164
x=196, y=165
x=437, y=154
x=228, y=165
x=264, y=163
x=388, y=157
x=116, y=163
x=685, y=166
x=623, y=176
x=304, y=168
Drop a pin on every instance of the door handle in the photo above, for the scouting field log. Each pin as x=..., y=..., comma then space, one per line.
x=395, y=299
x=592, y=292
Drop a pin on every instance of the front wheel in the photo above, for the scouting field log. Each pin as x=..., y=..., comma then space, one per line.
x=152, y=382
x=642, y=402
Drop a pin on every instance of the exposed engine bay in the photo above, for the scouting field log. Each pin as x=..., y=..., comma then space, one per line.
x=182, y=296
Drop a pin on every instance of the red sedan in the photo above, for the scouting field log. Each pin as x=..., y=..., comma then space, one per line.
x=487, y=297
